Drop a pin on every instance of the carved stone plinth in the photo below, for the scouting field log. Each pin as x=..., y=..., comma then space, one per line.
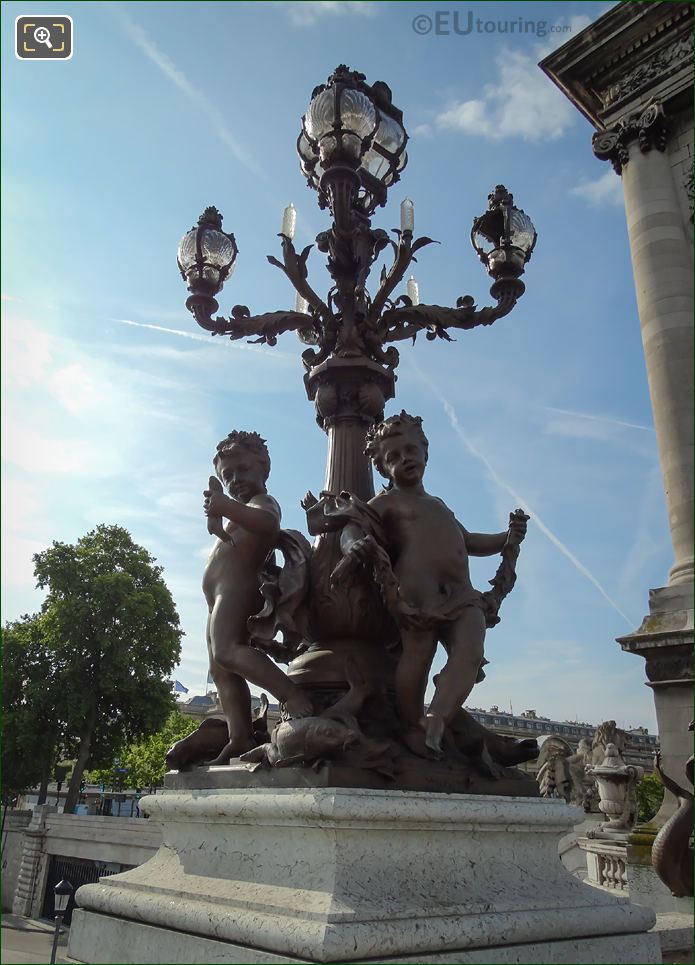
x=331, y=875
x=665, y=641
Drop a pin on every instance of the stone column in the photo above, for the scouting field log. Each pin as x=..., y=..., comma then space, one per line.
x=662, y=265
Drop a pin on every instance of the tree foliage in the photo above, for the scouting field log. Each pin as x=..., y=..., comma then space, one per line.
x=143, y=760
x=33, y=705
x=650, y=793
x=113, y=633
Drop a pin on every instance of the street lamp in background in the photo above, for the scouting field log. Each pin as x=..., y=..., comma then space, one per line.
x=62, y=892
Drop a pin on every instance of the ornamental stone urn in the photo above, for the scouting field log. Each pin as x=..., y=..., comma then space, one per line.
x=616, y=782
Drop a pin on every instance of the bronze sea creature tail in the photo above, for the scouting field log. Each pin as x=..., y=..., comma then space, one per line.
x=672, y=851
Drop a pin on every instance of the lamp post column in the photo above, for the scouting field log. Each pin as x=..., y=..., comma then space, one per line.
x=349, y=394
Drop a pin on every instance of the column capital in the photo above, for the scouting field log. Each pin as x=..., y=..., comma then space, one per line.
x=649, y=127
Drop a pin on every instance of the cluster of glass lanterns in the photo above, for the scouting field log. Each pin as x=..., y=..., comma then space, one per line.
x=352, y=147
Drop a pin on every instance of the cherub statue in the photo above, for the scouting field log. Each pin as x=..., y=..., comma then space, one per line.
x=235, y=576
x=419, y=554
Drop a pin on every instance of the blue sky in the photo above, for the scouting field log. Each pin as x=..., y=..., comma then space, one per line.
x=114, y=399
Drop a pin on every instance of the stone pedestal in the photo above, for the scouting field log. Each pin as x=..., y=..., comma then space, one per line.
x=348, y=875
x=665, y=641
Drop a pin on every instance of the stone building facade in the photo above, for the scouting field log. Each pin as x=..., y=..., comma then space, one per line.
x=631, y=75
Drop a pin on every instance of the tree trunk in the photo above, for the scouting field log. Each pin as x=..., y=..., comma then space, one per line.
x=83, y=750
x=45, y=777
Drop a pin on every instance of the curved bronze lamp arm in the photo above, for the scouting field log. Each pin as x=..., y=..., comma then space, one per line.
x=404, y=252
x=243, y=324
x=294, y=266
x=407, y=321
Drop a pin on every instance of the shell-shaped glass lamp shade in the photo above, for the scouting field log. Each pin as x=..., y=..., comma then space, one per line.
x=522, y=233
x=207, y=255
x=351, y=124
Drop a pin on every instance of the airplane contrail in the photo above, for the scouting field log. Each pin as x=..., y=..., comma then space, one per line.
x=608, y=420
x=164, y=63
x=519, y=499
x=204, y=338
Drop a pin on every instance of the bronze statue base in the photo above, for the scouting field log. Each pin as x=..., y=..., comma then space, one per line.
x=412, y=774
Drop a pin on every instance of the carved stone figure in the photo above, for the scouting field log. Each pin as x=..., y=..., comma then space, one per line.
x=672, y=851
x=233, y=583
x=616, y=787
x=562, y=771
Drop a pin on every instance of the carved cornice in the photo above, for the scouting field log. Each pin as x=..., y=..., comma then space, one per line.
x=632, y=52
x=649, y=128
x=668, y=59
x=672, y=664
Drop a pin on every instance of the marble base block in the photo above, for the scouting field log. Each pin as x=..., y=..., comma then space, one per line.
x=349, y=875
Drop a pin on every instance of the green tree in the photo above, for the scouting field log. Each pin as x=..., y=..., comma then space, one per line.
x=144, y=759
x=113, y=630
x=650, y=793
x=33, y=707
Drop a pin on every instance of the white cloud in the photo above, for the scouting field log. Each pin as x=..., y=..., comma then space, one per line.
x=422, y=130
x=18, y=563
x=65, y=453
x=521, y=102
x=607, y=189
x=27, y=352
x=75, y=389
x=305, y=13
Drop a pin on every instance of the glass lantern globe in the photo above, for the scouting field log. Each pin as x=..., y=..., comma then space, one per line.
x=503, y=237
x=354, y=125
x=207, y=255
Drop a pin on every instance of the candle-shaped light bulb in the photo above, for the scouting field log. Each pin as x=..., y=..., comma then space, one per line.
x=413, y=290
x=301, y=304
x=407, y=215
x=289, y=221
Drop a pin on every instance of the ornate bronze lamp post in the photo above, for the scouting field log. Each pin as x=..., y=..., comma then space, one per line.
x=352, y=150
